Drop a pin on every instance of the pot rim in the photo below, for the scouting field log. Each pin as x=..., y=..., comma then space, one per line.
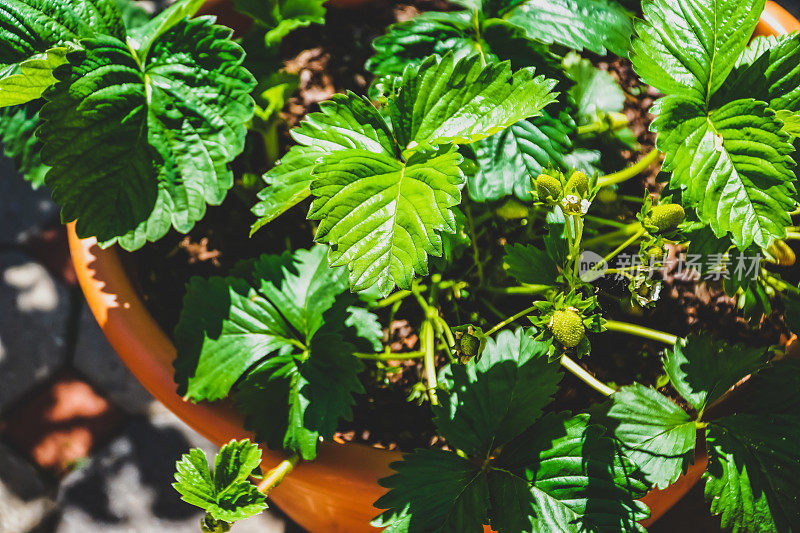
x=148, y=352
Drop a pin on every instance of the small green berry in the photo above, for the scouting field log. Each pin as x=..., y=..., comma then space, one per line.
x=548, y=186
x=567, y=327
x=579, y=183
x=470, y=345
x=667, y=217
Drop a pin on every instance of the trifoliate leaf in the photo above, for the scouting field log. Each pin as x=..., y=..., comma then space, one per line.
x=528, y=264
x=166, y=138
x=594, y=90
x=704, y=369
x=508, y=160
x=495, y=399
x=689, y=48
x=287, y=319
x=596, y=25
x=734, y=165
x=226, y=494
x=753, y=478
x=448, y=101
x=28, y=79
x=579, y=481
x=657, y=435
x=434, y=490
x=18, y=137
x=405, y=205
x=345, y=121
x=283, y=16
x=770, y=74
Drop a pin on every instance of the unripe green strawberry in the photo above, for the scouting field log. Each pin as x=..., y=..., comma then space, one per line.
x=667, y=217
x=567, y=327
x=548, y=186
x=579, y=183
x=470, y=345
x=780, y=253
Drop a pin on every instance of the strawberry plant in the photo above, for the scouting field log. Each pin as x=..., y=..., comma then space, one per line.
x=475, y=194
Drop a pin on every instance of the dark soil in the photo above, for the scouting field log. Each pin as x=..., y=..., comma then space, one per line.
x=330, y=59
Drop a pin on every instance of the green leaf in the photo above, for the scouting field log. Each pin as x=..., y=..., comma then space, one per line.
x=405, y=206
x=434, y=490
x=703, y=369
x=285, y=332
x=791, y=122
x=28, y=79
x=142, y=38
x=226, y=494
x=579, y=481
x=448, y=101
x=166, y=138
x=689, y=48
x=596, y=25
x=17, y=135
x=497, y=398
x=345, y=121
x=769, y=71
x=412, y=41
x=283, y=16
x=528, y=264
x=508, y=160
x=734, y=165
x=753, y=477
x=595, y=91
x=657, y=435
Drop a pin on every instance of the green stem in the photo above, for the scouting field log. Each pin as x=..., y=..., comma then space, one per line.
x=389, y=356
x=392, y=298
x=605, y=221
x=524, y=289
x=792, y=235
x=630, y=172
x=511, y=319
x=633, y=238
x=427, y=341
x=579, y=372
x=474, y=241
x=274, y=477
x=640, y=331
x=576, y=253
x=630, y=229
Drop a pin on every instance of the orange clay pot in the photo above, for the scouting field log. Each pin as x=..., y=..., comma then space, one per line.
x=334, y=493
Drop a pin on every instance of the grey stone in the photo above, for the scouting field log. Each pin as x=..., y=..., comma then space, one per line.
x=33, y=313
x=98, y=362
x=26, y=498
x=126, y=487
x=22, y=210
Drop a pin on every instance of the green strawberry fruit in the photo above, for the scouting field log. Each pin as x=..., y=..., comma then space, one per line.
x=667, y=217
x=470, y=345
x=579, y=183
x=567, y=327
x=548, y=186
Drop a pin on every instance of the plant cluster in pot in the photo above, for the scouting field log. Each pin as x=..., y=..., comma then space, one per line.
x=472, y=196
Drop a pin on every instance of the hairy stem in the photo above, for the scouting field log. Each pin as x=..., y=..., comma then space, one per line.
x=579, y=372
x=389, y=356
x=630, y=229
x=632, y=239
x=274, y=477
x=510, y=319
x=641, y=331
x=427, y=339
x=630, y=172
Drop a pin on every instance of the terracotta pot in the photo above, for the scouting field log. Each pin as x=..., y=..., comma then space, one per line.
x=334, y=493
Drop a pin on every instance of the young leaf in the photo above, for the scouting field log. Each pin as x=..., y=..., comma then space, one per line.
x=594, y=90
x=17, y=135
x=166, y=138
x=28, y=79
x=345, y=121
x=448, y=101
x=657, y=435
x=734, y=164
x=283, y=16
x=508, y=160
x=689, y=48
x=287, y=320
x=753, y=478
x=528, y=264
x=702, y=369
x=226, y=494
x=495, y=399
x=434, y=490
x=596, y=25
